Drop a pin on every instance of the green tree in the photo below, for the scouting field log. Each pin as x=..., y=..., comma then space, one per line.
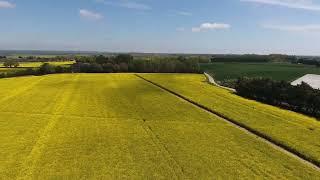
x=46, y=68
x=108, y=67
x=101, y=59
x=123, y=67
x=11, y=64
x=123, y=58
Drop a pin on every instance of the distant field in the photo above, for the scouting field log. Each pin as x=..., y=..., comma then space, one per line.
x=276, y=71
x=38, y=64
x=115, y=126
x=295, y=131
x=34, y=55
x=25, y=65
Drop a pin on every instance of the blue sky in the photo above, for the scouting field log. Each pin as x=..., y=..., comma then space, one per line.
x=169, y=26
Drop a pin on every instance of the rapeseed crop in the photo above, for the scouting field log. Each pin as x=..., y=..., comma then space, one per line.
x=295, y=131
x=113, y=126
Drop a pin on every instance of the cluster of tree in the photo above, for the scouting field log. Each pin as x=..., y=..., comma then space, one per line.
x=47, y=68
x=281, y=58
x=301, y=98
x=307, y=61
x=3, y=57
x=11, y=64
x=253, y=58
x=200, y=59
x=126, y=63
x=22, y=72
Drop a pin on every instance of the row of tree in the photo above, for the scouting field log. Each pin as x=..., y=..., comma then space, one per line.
x=301, y=98
x=253, y=58
x=37, y=58
x=315, y=61
x=45, y=68
x=126, y=63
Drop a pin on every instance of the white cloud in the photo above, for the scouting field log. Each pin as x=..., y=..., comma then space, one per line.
x=90, y=14
x=211, y=26
x=295, y=4
x=6, y=4
x=126, y=4
x=294, y=28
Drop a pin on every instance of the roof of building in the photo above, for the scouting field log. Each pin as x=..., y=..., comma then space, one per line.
x=312, y=79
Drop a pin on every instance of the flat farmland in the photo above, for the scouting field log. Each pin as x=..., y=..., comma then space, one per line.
x=296, y=132
x=107, y=126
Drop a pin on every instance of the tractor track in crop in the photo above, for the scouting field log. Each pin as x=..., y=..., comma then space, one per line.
x=27, y=171
x=172, y=162
x=21, y=90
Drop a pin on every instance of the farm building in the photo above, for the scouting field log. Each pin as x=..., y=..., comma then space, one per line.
x=312, y=79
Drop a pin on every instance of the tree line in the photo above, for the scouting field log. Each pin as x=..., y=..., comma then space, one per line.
x=111, y=64
x=44, y=59
x=253, y=58
x=44, y=69
x=302, y=98
x=127, y=63
x=36, y=58
x=312, y=61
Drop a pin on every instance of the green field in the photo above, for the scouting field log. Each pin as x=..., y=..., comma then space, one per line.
x=115, y=126
x=276, y=71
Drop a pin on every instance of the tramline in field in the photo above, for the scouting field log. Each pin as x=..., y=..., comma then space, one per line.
x=120, y=126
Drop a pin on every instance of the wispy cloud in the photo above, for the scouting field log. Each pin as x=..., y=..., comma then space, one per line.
x=90, y=14
x=211, y=26
x=181, y=29
x=294, y=28
x=6, y=4
x=295, y=4
x=183, y=13
x=135, y=5
x=126, y=4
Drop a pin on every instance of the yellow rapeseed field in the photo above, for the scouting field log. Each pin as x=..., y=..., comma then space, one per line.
x=38, y=64
x=115, y=126
x=295, y=131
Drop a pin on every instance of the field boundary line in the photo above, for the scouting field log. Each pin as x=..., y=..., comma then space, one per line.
x=69, y=116
x=288, y=150
x=29, y=165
